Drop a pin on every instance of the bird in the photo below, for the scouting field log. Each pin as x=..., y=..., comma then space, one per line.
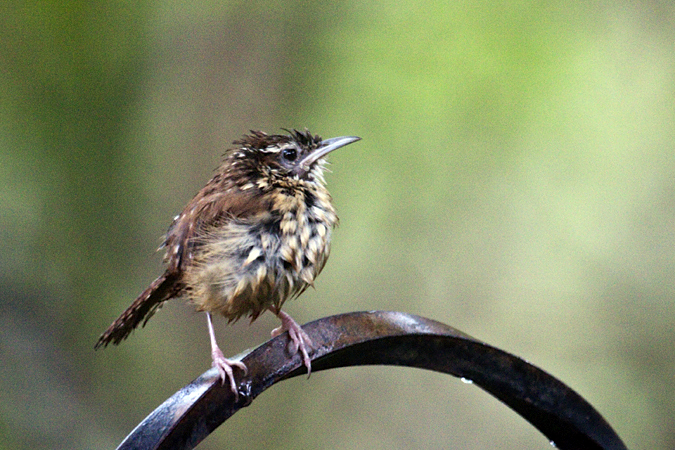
x=256, y=235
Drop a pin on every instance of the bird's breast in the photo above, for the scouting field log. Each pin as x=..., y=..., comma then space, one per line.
x=245, y=266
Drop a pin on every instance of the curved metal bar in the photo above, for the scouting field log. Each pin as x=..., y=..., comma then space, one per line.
x=386, y=338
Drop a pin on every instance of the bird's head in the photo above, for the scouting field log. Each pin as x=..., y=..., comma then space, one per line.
x=298, y=155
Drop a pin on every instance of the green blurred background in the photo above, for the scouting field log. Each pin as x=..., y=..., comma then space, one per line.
x=516, y=180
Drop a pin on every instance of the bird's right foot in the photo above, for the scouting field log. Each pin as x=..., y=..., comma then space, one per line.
x=225, y=369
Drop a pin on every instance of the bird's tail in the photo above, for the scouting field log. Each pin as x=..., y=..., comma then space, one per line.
x=162, y=289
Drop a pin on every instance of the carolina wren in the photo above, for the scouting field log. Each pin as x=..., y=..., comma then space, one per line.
x=255, y=236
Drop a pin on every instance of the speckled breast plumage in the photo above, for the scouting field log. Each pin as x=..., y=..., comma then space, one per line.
x=248, y=265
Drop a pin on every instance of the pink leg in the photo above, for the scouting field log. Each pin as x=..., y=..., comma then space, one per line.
x=299, y=339
x=221, y=363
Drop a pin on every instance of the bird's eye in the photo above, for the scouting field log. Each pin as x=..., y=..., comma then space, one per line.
x=289, y=154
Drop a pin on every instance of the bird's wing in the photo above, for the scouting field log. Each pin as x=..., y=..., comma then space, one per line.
x=215, y=204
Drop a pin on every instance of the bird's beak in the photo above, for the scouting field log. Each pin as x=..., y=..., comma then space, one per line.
x=327, y=146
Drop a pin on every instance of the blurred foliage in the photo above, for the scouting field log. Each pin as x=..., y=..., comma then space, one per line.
x=515, y=180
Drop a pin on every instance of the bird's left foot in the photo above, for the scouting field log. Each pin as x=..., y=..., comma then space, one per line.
x=299, y=339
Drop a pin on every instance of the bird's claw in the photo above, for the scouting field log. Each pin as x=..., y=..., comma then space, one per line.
x=224, y=367
x=299, y=339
